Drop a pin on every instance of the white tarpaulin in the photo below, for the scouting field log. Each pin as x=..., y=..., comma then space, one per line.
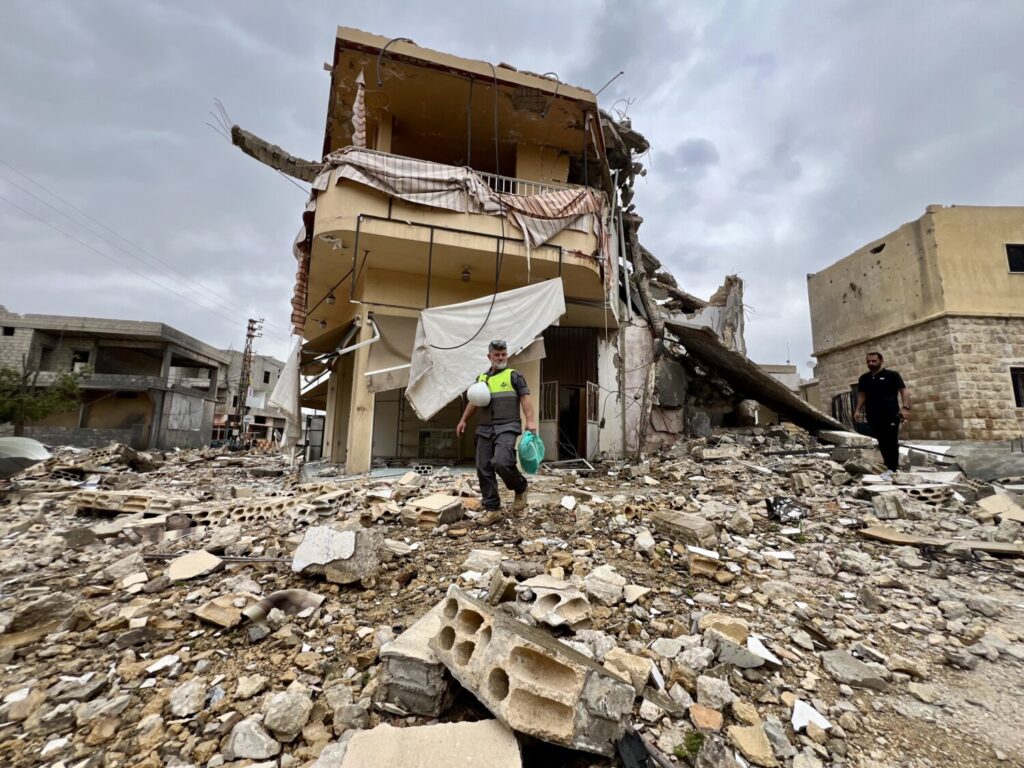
x=285, y=397
x=438, y=375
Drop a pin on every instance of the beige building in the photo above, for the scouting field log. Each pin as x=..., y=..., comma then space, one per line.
x=942, y=298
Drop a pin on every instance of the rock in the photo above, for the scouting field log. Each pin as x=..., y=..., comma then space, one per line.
x=888, y=506
x=728, y=652
x=740, y=523
x=193, y=565
x=666, y=647
x=482, y=560
x=912, y=667
x=960, y=657
x=777, y=737
x=604, y=585
x=752, y=742
x=45, y=610
x=714, y=693
x=634, y=669
x=188, y=698
x=697, y=659
x=844, y=668
x=249, y=686
x=929, y=694
x=685, y=528
x=735, y=629
x=705, y=718
x=221, y=611
x=806, y=760
x=249, y=741
x=745, y=712
x=644, y=542
x=633, y=592
x=286, y=713
x=650, y=711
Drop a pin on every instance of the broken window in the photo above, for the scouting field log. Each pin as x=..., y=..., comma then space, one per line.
x=8, y=330
x=79, y=360
x=1017, y=377
x=266, y=377
x=1015, y=257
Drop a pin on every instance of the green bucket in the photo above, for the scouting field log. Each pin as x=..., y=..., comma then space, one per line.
x=531, y=452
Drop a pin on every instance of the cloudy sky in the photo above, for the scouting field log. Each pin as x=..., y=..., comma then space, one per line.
x=785, y=135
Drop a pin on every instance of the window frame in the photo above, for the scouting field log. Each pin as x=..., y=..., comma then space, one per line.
x=1017, y=251
x=1017, y=384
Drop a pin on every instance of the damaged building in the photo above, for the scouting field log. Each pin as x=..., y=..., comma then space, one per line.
x=459, y=201
x=942, y=297
x=137, y=385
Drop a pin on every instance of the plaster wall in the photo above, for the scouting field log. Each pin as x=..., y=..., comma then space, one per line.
x=972, y=259
x=868, y=294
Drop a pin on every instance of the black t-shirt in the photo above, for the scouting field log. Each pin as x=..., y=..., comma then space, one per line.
x=881, y=392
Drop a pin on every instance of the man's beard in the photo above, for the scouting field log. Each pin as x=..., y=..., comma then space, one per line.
x=874, y=368
x=501, y=366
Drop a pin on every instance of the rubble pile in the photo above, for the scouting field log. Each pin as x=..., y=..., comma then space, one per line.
x=749, y=598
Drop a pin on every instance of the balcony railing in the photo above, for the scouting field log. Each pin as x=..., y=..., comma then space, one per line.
x=504, y=184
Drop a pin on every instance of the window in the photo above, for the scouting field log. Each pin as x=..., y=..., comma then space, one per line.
x=266, y=377
x=8, y=330
x=1015, y=257
x=1017, y=377
x=234, y=401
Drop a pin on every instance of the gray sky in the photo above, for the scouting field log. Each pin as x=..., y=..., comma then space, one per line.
x=785, y=135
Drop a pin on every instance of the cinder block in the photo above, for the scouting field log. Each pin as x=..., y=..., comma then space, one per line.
x=412, y=677
x=685, y=528
x=529, y=680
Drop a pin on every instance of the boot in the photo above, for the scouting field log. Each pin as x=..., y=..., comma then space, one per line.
x=520, y=502
x=489, y=517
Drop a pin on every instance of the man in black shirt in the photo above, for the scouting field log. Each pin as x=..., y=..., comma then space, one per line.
x=877, y=392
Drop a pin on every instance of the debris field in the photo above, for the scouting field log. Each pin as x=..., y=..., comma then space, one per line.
x=749, y=598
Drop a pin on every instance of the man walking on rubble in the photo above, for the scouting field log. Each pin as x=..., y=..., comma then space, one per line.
x=496, y=434
x=877, y=392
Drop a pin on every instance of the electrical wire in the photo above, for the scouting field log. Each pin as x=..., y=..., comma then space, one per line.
x=191, y=284
x=501, y=217
x=116, y=261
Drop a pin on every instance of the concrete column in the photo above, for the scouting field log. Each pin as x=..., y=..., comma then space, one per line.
x=360, y=426
x=156, y=398
x=165, y=367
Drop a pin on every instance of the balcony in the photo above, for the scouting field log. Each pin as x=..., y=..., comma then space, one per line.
x=374, y=247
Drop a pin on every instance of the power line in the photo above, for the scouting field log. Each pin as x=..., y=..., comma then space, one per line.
x=116, y=261
x=116, y=234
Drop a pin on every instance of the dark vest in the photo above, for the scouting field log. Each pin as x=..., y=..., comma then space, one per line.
x=504, y=405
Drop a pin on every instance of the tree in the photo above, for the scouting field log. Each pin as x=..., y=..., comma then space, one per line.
x=23, y=400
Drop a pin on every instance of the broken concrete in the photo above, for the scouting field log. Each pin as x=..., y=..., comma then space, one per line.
x=342, y=555
x=413, y=679
x=529, y=680
x=486, y=742
x=685, y=528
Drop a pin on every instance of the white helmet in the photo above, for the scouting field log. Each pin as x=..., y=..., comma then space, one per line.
x=479, y=394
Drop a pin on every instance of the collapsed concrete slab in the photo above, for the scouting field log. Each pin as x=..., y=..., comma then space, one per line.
x=412, y=678
x=486, y=742
x=529, y=680
x=341, y=555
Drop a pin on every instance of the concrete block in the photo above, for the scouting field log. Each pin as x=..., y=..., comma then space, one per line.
x=434, y=510
x=529, y=680
x=486, y=742
x=556, y=602
x=719, y=453
x=685, y=528
x=412, y=677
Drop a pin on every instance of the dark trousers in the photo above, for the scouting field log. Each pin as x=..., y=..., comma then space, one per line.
x=887, y=433
x=496, y=456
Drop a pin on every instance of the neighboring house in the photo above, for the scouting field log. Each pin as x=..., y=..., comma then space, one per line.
x=136, y=387
x=262, y=422
x=786, y=374
x=942, y=298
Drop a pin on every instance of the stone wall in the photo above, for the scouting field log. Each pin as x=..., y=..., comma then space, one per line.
x=985, y=349
x=957, y=371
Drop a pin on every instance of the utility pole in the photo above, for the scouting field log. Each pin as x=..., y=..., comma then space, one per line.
x=254, y=330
